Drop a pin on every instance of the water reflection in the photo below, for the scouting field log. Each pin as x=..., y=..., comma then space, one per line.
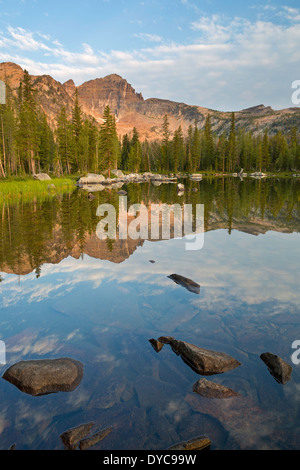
x=65, y=293
x=49, y=231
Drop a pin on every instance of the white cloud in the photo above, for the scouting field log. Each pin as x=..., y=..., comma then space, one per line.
x=149, y=37
x=228, y=64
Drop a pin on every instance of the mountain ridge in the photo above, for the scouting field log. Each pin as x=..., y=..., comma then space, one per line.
x=146, y=115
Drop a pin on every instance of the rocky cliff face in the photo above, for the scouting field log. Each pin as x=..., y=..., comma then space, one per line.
x=132, y=110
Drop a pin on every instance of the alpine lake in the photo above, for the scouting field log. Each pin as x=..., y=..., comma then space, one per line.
x=66, y=293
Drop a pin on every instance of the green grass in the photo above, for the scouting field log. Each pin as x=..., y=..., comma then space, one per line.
x=14, y=189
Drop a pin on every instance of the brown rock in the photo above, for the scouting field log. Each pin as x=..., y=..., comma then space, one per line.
x=72, y=437
x=209, y=389
x=165, y=339
x=43, y=376
x=203, y=361
x=91, y=441
x=157, y=345
x=280, y=370
x=199, y=443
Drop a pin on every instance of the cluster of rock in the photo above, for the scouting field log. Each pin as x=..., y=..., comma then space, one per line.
x=97, y=182
x=207, y=362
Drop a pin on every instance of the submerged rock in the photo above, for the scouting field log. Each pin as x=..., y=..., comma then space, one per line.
x=279, y=369
x=43, y=376
x=203, y=361
x=186, y=282
x=91, y=441
x=198, y=443
x=72, y=437
x=209, y=389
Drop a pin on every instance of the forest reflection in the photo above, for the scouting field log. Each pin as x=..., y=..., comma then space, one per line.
x=47, y=230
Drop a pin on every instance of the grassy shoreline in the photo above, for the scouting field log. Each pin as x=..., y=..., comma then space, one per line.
x=16, y=188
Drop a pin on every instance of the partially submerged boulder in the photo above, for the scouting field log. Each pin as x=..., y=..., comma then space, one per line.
x=209, y=389
x=279, y=369
x=43, y=376
x=203, y=361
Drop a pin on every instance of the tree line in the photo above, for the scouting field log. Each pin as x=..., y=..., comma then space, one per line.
x=77, y=144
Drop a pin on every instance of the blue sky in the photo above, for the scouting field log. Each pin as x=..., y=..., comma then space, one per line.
x=222, y=55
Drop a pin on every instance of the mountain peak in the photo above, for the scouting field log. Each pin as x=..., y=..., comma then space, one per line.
x=70, y=87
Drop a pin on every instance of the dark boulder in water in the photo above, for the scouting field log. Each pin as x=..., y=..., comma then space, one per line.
x=279, y=369
x=43, y=376
x=203, y=361
x=186, y=283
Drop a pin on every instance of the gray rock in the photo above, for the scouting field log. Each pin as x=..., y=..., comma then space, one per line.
x=279, y=369
x=185, y=282
x=41, y=177
x=209, y=389
x=91, y=178
x=43, y=376
x=203, y=361
x=118, y=173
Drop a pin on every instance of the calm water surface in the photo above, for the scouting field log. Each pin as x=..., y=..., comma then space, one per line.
x=65, y=293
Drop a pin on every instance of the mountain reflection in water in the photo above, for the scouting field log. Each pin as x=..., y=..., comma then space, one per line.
x=65, y=293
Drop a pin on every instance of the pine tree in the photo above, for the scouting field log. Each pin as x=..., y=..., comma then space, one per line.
x=108, y=142
x=28, y=137
x=165, y=147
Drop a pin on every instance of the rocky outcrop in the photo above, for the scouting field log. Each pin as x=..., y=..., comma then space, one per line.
x=131, y=110
x=43, y=376
x=203, y=361
x=279, y=369
x=70, y=87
